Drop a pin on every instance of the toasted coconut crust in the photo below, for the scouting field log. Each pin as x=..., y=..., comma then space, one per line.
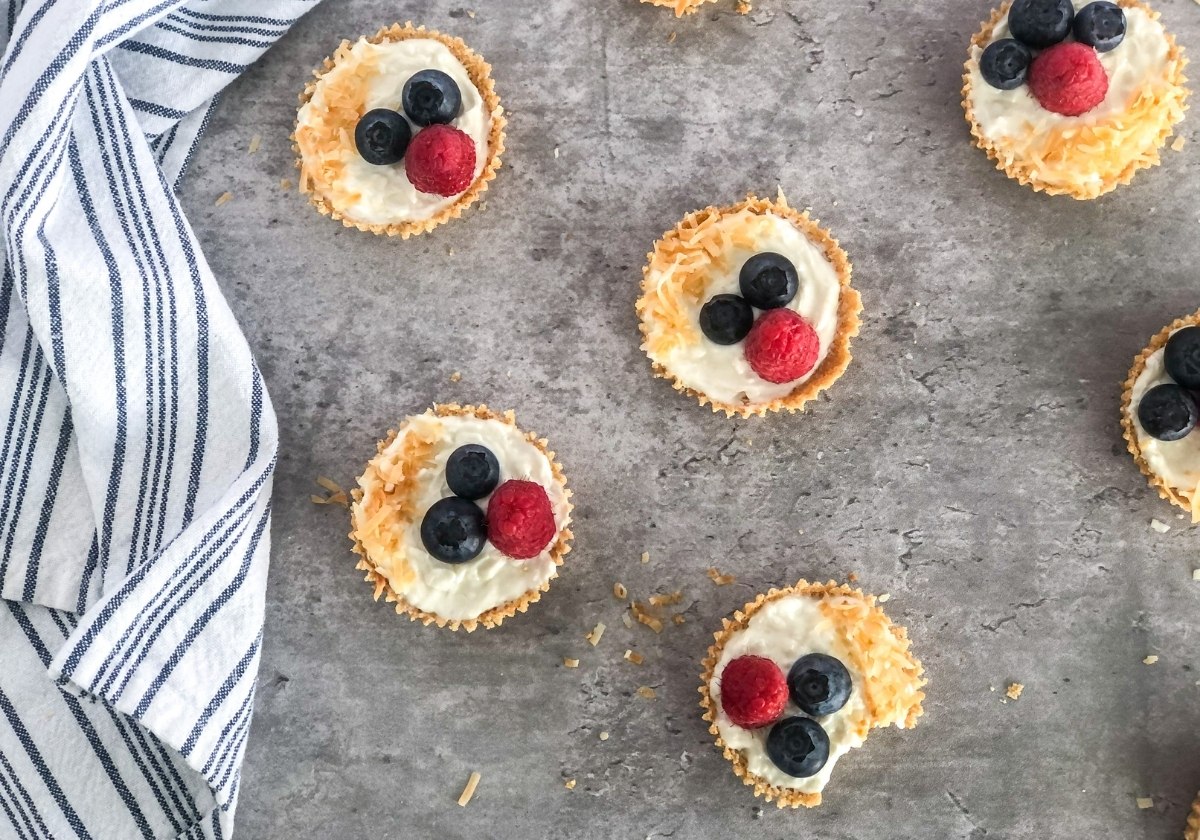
x=493, y=617
x=836, y=360
x=1169, y=110
x=681, y=7
x=479, y=71
x=1181, y=498
x=1193, y=822
x=786, y=797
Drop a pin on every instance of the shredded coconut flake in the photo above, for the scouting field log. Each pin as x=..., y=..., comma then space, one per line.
x=596, y=635
x=569, y=784
x=255, y=142
x=634, y=657
x=1145, y=802
x=1014, y=690
x=647, y=692
x=570, y=663
x=1160, y=527
x=223, y=198
x=1150, y=660
x=469, y=790
x=620, y=592
x=720, y=579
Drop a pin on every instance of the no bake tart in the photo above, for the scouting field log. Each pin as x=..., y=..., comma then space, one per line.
x=1193, y=822
x=399, y=132
x=1159, y=413
x=799, y=677
x=461, y=519
x=1073, y=97
x=749, y=307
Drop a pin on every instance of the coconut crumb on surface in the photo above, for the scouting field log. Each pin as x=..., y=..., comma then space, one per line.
x=719, y=579
x=223, y=198
x=255, y=142
x=1160, y=526
x=852, y=577
x=884, y=598
x=570, y=663
x=285, y=183
x=627, y=620
x=1196, y=572
x=645, y=616
x=1180, y=141
x=678, y=618
x=337, y=496
x=469, y=790
x=645, y=556
x=1150, y=660
x=647, y=692
x=596, y=635
x=471, y=14
x=671, y=37
x=1014, y=690
x=1145, y=802
x=668, y=600
x=619, y=591
x=634, y=657
x=556, y=152
x=603, y=736
x=743, y=7
x=456, y=377
x=569, y=784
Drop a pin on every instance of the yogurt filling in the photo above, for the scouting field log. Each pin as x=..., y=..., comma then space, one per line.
x=467, y=590
x=1177, y=462
x=383, y=194
x=721, y=371
x=1015, y=114
x=783, y=630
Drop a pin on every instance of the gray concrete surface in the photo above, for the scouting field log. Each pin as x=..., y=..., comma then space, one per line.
x=970, y=462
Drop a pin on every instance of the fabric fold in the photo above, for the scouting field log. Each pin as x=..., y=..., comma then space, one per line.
x=137, y=440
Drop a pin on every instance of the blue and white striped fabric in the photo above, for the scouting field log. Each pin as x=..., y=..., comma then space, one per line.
x=137, y=442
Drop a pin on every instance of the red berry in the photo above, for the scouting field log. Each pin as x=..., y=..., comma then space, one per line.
x=782, y=346
x=1068, y=79
x=520, y=521
x=440, y=160
x=753, y=691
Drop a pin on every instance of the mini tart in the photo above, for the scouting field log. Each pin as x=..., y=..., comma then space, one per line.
x=890, y=686
x=681, y=7
x=1188, y=499
x=395, y=477
x=678, y=276
x=1193, y=822
x=318, y=151
x=1087, y=157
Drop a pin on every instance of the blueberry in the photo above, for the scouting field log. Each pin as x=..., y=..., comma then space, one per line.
x=454, y=530
x=472, y=471
x=431, y=97
x=819, y=684
x=726, y=319
x=798, y=746
x=1005, y=63
x=1182, y=357
x=768, y=280
x=1040, y=23
x=1167, y=412
x=1101, y=25
x=382, y=136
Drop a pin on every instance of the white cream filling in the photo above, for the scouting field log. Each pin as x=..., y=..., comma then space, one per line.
x=385, y=195
x=721, y=371
x=1016, y=114
x=785, y=630
x=1177, y=462
x=467, y=590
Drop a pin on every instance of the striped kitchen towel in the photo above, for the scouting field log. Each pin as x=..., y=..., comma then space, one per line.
x=137, y=442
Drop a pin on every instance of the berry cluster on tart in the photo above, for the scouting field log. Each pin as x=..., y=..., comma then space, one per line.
x=799, y=677
x=749, y=307
x=1073, y=97
x=461, y=519
x=399, y=132
x=1159, y=411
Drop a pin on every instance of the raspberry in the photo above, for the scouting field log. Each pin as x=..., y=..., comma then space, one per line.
x=440, y=160
x=520, y=521
x=753, y=691
x=1068, y=79
x=782, y=346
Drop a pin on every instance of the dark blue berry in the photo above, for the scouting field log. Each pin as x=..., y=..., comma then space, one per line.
x=454, y=530
x=798, y=746
x=1005, y=63
x=472, y=471
x=1040, y=23
x=431, y=97
x=1101, y=25
x=726, y=319
x=768, y=280
x=1167, y=412
x=1182, y=357
x=381, y=136
x=819, y=684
